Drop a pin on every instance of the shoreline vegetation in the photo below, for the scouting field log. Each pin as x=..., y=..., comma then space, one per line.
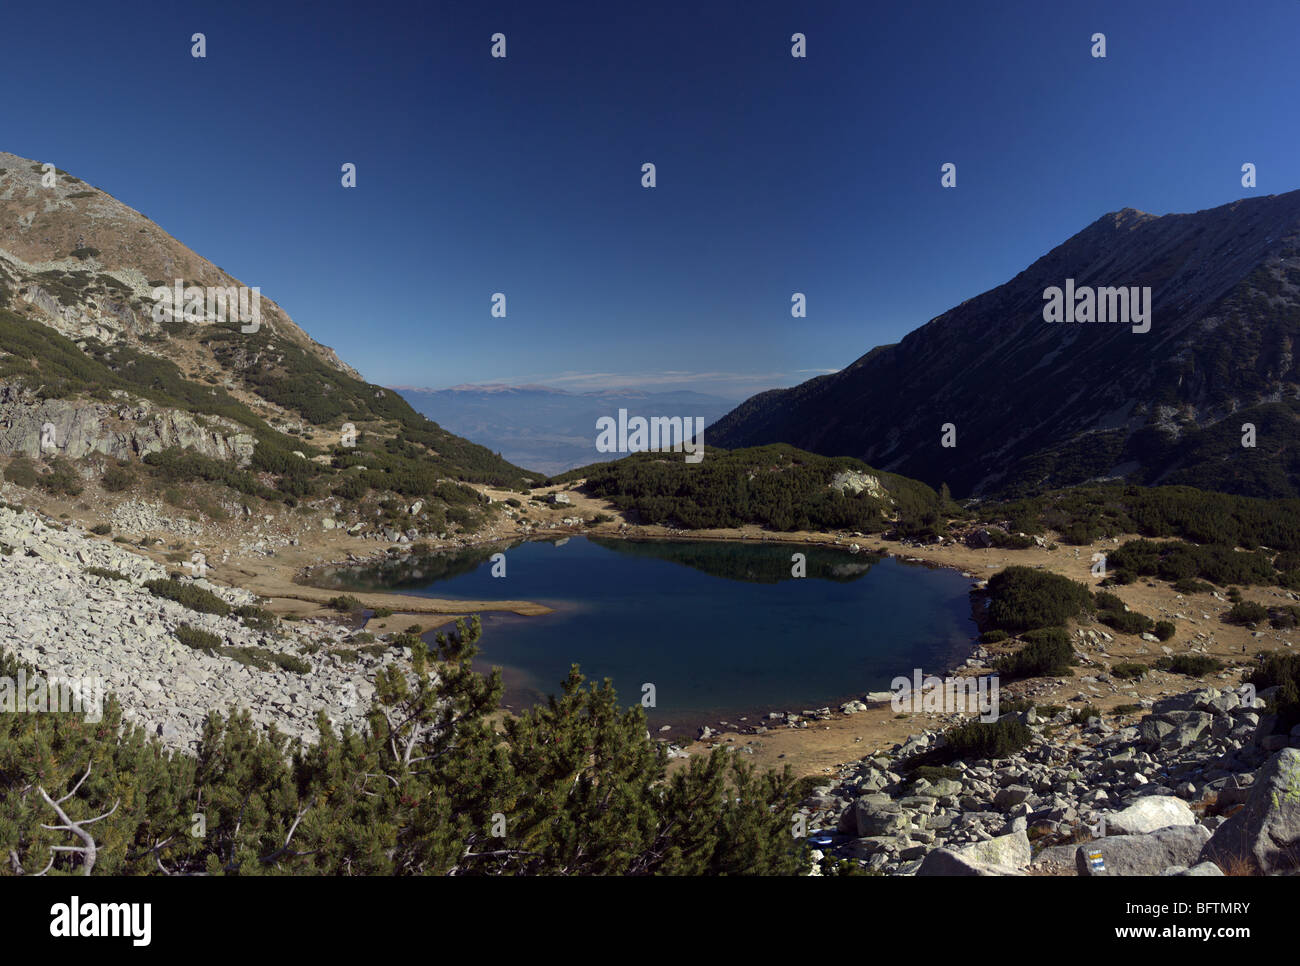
x=1090, y=521
x=1110, y=655
x=923, y=527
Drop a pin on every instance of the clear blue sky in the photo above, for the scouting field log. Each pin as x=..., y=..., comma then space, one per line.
x=522, y=175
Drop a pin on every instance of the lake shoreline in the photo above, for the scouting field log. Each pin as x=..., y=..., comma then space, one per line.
x=748, y=716
x=820, y=748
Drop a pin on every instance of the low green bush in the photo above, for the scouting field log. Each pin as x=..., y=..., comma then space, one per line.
x=288, y=662
x=1129, y=670
x=21, y=472
x=187, y=595
x=257, y=618
x=255, y=657
x=61, y=480
x=1021, y=598
x=1108, y=601
x=976, y=740
x=1281, y=670
x=197, y=638
x=116, y=479
x=1191, y=665
x=1009, y=541
x=1016, y=705
x=1046, y=653
x=1178, y=560
x=344, y=603
x=106, y=572
x=1284, y=617
x=1246, y=612
x=1127, y=622
x=936, y=773
x=406, y=639
x=1081, y=715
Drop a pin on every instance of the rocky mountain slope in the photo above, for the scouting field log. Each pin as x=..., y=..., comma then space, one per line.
x=1037, y=404
x=77, y=607
x=91, y=370
x=70, y=227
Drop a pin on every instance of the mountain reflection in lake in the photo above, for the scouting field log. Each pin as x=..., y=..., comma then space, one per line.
x=719, y=629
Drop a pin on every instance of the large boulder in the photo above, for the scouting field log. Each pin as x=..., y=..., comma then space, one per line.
x=1147, y=854
x=1012, y=850
x=1233, y=790
x=1056, y=858
x=1188, y=730
x=857, y=482
x=1217, y=702
x=1011, y=795
x=873, y=815
x=1266, y=832
x=1002, y=855
x=1177, y=702
x=1205, y=868
x=940, y=788
x=947, y=862
x=1153, y=730
x=1149, y=814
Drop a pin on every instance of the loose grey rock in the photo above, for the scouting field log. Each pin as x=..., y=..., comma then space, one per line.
x=1147, y=854
x=1267, y=831
x=1148, y=814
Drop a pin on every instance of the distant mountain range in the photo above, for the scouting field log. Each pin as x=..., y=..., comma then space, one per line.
x=546, y=429
x=1036, y=404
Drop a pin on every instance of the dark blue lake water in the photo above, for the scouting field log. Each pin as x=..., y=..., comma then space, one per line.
x=720, y=629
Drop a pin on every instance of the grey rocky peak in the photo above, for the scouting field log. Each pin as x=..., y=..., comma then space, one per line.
x=1087, y=401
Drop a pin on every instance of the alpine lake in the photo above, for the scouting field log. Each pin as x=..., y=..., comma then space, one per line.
x=708, y=631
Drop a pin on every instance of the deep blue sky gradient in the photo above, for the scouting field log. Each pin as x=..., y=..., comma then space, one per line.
x=523, y=175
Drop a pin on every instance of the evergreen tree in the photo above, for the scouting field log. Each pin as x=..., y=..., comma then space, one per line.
x=429, y=787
